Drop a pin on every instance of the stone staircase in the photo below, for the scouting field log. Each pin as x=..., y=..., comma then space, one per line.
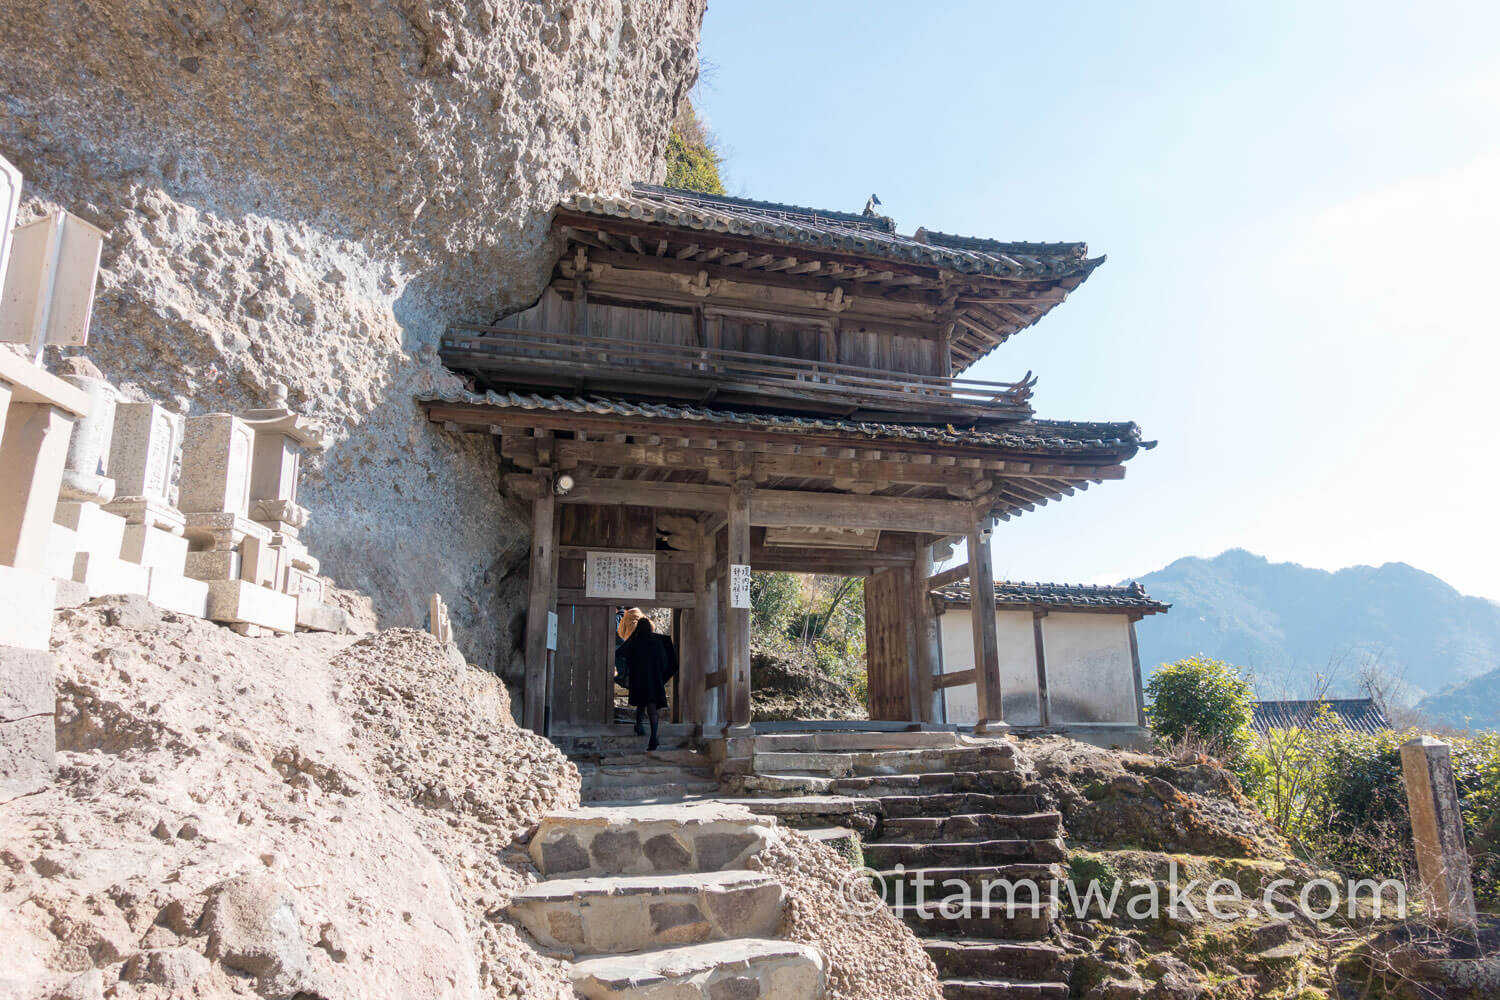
x=654, y=902
x=615, y=767
x=952, y=810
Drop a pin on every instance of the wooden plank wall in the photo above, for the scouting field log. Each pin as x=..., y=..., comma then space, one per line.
x=886, y=649
x=783, y=340
x=892, y=352
x=583, y=687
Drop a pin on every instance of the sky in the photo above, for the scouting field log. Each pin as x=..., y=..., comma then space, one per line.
x=1300, y=205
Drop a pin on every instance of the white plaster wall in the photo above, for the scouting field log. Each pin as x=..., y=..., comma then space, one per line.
x=1090, y=677
x=1017, y=644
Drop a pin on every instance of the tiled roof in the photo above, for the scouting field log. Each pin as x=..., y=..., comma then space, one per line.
x=846, y=231
x=1361, y=715
x=1116, y=441
x=1061, y=596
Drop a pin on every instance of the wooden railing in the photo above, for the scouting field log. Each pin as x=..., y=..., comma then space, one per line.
x=655, y=365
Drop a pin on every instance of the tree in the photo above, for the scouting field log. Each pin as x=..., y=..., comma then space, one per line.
x=1202, y=699
x=692, y=154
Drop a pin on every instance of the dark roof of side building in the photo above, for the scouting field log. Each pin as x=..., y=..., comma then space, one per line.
x=1130, y=598
x=874, y=235
x=1360, y=715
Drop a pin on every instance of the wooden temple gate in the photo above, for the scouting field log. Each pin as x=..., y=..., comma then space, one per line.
x=719, y=385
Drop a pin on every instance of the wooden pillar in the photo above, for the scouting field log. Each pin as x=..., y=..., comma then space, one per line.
x=928, y=643
x=540, y=597
x=1043, y=699
x=982, y=614
x=1135, y=666
x=737, y=655
x=705, y=612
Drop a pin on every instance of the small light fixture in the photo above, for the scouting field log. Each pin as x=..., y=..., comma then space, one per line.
x=563, y=485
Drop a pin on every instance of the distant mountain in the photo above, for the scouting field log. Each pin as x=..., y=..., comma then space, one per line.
x=1289, y=623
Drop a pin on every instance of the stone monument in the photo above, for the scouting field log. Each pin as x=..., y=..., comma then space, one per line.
x=227, y=550
x=143, y=461
x=281, y=436
x=1438, y=829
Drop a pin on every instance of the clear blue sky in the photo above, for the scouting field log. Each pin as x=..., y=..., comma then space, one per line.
x=1299, y=204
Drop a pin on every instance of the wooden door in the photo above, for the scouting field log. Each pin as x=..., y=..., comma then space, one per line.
x=583, y=670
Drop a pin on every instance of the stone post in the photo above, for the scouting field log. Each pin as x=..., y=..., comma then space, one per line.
x=1438, y=829
x=37, y=413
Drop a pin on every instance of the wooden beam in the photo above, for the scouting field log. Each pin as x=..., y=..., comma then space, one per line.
x=663, y=599
x=925, y=637
x=704, y=610
x=1044, y=700
x=541, y=584
x=737, y=660
x=986, y=643
x=955, y=679
x=793, y=508
x=1135, y=667
x=948, y=576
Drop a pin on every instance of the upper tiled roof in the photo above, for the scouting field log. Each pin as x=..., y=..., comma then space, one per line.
x=1114, y=441
x=1361, y=715
x=846, y=231
x=1061, y=596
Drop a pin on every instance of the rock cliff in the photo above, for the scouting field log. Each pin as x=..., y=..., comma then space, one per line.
x=308, y=194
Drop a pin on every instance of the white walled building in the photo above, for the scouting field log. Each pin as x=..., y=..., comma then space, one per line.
x=1068, y=656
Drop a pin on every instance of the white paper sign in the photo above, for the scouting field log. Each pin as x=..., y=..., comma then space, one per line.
x=739, y=586
x=552, y=630
x=627, y=576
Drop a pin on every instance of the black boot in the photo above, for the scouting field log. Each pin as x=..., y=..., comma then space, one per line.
x=640, y=721
x=653, y=744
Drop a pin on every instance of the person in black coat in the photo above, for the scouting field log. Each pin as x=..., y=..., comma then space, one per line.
x=650, y=662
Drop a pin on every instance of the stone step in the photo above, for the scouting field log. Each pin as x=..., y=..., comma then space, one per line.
x=776, y=785
x=686, y=756
x=802, y=812
x=987, y=757
x=933, y=783
x=1000, y=989
x=974, y=826
x=1019, y=923
x=962, y=853
x=648, y=839
x=840, y=839
x=1032, y=960
x=723, y=970
x=852, y=741
x=615, y=776
x=614, y=915
x=665, y=793
x=960, y=803
x=901, y=886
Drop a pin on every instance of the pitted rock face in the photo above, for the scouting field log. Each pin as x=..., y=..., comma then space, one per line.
x=308, y=194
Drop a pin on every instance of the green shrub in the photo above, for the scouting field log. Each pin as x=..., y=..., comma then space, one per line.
x=692, y=157
x=1204, y=701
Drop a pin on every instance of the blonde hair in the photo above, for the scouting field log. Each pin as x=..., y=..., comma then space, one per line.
x=628, y=621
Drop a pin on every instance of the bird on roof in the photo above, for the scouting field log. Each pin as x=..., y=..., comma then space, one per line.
x=870, y=205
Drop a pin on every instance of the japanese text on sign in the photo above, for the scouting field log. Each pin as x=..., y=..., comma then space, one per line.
x=739, y=586
x=622, y=575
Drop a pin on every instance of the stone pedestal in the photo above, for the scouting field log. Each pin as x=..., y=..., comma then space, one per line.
x=37, y=415
x=1437, y=826
x=143, y=463
x=94, y=538
x=236, y=602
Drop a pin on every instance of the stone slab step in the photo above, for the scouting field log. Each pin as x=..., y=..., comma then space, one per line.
x=1000, y=989
x=724, y=970
x=998, y=923
x=933, y=783
x=852, y=741
x=1011, y=960
x=804, y=812
x=648, y=839
x=960, y=803
x=616, y=775
x=665, y=793
x=835, y=764
x=974, y=826
x=939, y=854
x=901, y=886
x=776, y=785
x=614, y=915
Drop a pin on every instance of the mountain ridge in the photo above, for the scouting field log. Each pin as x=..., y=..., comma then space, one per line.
x=1289, y=623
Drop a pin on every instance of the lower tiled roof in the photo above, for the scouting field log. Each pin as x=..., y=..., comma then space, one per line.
x=1060, y=596
x=1361, y=715
x=1115, y=441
